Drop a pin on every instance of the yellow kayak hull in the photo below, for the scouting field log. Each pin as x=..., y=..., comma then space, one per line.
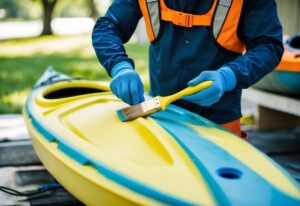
x=173, y=157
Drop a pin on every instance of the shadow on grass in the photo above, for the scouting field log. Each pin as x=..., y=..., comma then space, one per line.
x=39, y=38
x=19, y=74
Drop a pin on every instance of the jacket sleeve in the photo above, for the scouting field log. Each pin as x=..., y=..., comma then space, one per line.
x=261, y=31
x=113, y=30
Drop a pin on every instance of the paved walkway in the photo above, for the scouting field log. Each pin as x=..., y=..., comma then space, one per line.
x=60, y=26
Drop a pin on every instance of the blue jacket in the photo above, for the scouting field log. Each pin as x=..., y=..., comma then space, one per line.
x=183, y=53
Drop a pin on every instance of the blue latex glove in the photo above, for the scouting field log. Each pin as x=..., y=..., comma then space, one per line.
x=223, y=80
x=126, y=84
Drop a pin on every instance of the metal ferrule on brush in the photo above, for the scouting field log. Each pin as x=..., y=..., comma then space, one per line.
x=147, y=107
x=150, y=105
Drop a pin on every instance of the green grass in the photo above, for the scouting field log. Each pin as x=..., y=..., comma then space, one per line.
x=23, y=61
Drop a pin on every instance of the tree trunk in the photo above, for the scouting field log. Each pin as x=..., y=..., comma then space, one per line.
x=48, y=6
x=94, y=13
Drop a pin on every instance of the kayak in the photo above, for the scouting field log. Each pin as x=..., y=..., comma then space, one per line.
x=172, y=157
x=286, y=77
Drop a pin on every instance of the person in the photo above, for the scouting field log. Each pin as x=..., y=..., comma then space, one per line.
x=234, y=43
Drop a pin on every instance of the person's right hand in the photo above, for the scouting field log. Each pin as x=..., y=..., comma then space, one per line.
x=127, y=85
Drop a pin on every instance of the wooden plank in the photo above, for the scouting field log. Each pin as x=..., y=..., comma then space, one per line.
x=35, y=176
x=270, y=119
x=18, y=153
x=277, y=102
x=280, y=145
x=28, y=179
x=276, y=142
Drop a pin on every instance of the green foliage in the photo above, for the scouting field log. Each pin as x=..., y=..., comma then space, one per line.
x=72, y=8
x=24, y=60
x=32, y=9
x=21, y=9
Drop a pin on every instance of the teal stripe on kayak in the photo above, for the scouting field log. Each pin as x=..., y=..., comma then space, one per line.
x=111, y=174
x=239, y=184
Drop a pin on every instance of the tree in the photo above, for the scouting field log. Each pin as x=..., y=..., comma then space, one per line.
x=93, y=11
x=18, y=9
x=48, y=7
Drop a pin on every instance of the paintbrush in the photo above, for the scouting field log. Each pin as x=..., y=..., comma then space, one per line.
x=158, y=103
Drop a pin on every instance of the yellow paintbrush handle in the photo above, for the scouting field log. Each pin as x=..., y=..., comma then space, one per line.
x=165, y=101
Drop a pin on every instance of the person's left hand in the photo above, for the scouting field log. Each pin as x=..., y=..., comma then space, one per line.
x=223, y=80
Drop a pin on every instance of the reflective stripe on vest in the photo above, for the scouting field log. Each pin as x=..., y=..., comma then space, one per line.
x=223, y=17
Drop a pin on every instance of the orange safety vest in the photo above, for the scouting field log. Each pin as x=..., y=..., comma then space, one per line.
x=223, y=18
